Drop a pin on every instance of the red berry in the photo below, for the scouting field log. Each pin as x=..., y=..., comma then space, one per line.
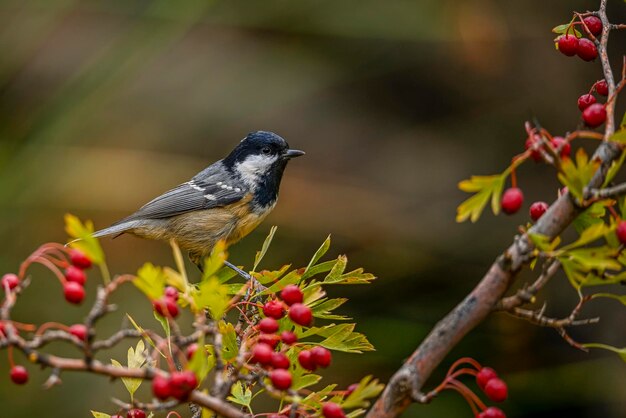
x=586, y=49
x=594, y=24
x=496, y=390
x=585, y=101
x=535, y=154
x=537, y=209
x=79, y=259
x=321, y=356
x=161, y=387
x=191, y=350
x=332, y=410
x=512, y=200
x=560, y=142
x=268, y=325
x=136, y=413
x=280, y=361
x=74, y=274
x=291, y=294
x=269, y=339
x=74, y=292
x=165, y=307
x=621, y=232
x=262, y=353
x=567, y=44
x=288, y=337
x=492, y=412
x=9, y=280
x=79, y=331
x=484, y=375
x=602, y=87
x=305, y=358
x=594, y=115
x=181, y=384
x=351, y=389
x=171, y=293
x=301, y=314
x=281, y=379
x=274, y=309
x=19, y=375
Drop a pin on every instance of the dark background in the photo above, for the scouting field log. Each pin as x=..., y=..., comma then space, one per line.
x=105, y=104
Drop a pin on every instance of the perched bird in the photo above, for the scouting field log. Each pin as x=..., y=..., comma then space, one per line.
x=225, y=201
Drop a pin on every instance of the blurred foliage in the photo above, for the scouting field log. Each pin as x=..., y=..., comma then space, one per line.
x=105, y=104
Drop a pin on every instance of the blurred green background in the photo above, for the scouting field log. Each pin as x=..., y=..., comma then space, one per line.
x=105, y=104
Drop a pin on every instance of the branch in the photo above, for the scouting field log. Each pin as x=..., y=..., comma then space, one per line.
x=526, y=295
x=406, y=384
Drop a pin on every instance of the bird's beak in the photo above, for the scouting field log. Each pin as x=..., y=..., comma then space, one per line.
x=293, y=153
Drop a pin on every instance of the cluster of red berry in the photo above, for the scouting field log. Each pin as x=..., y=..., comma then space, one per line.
x=177, y=385
x=570, y=44
x=167, y=306
x=75, y=277
x=594, y=114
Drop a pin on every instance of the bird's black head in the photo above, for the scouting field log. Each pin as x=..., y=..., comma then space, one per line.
x=259, y=160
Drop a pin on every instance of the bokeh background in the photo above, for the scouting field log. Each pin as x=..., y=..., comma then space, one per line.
x=105, y=104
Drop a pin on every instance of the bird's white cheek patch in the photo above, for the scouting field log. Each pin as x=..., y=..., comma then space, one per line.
x=254, y=166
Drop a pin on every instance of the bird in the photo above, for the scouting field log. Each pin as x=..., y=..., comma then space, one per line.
x=225, y=201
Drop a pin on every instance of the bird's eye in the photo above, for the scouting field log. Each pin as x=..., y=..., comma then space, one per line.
x=266, y=150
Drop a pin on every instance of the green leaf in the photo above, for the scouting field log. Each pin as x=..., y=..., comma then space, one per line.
x=131, y=383
x=301, y=381
x=100, y=414
x=174, y=278
x=614, y=169
x=368, y=388
x=144, y=334
x=356, y=277
x=212, y=295
x=619, y=136
x=214, y=262
x=85, y=241
x=577, y=176
x=225, y=274
x=324, y=308
x=318, y=254
x=619, y=298
x=266, y=244
x=239, y=395
x=151, y=281
x=319, y=269
x=179, y=278
x=340, y=338
x=485, y=188
x=589, y=235
x=590, y=216
x=291, y=278
x=598, y=258
x=543, y=243
x=335, y=273
x=620, y=351
x=265, y=276
x=561, y=29
x=230, y=349
x=199, y=363
x=165, y=324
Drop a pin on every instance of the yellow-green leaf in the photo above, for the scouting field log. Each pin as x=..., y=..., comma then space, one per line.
x=486, y=188
x=577, y=175
x=266, y=244
x=215, y=260
x=367, y=388
x=213, y=296
x=84, y=239
x=239, y=395
x=318, y=254
x=100, y=414
x=150, y=280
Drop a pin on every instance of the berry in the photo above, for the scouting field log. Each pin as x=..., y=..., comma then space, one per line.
x=268, y=325
x=79, y=331
x=181, y=384
x=567, y=44
x=262, y=353
x=512, y=200
x=136, y=413
x=332, y=410
x=165, y=307
x=594, y=115
x=161, y=387
x=484, y=375
x=301, y=314
x=288, y=337
x=305, y=358
x=291, y=294
x=351, y=389
x=274, y=309
x=585, y=101
x=269, y=339
x=560, y=142
x=171, y=293
x=594, y=24
x=492, y=412
x=79, y=259
x=321, y=356
x=19, y=375
x=537, y=209
x=535, y=154
x=586, y=50
x=621, y=232
x=191, y=350
x=74, y=292
x=496, y=390
x=280, y=361
x=602, y=88
x=9, y=280
x=281, y=379
x=74, y=274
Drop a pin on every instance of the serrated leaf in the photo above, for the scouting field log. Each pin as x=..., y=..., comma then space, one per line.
x=543, y=243
x=318, y=254
x=212, y=295
x=151, y=281
x=343, y=338
x=598, y=258
x=486, y=188
x=239, y=395
x=86, y=243
x=264, y=277
x=199, y=362
x=614, y=169
x=324, y=308
x=266, y=244
x=305, y=380
x=215, y=260
x=319, y=269
x=576, y=176
x=589, y=235
x=293, y=277
x=590, y=216
x=131, y=383
x=335, y=273
x=100, y=414
x=367, y=388
x=356, y=277
x=230, y=349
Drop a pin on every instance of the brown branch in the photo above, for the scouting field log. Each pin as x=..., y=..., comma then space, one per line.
x=527, y=294
x=406, y=384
